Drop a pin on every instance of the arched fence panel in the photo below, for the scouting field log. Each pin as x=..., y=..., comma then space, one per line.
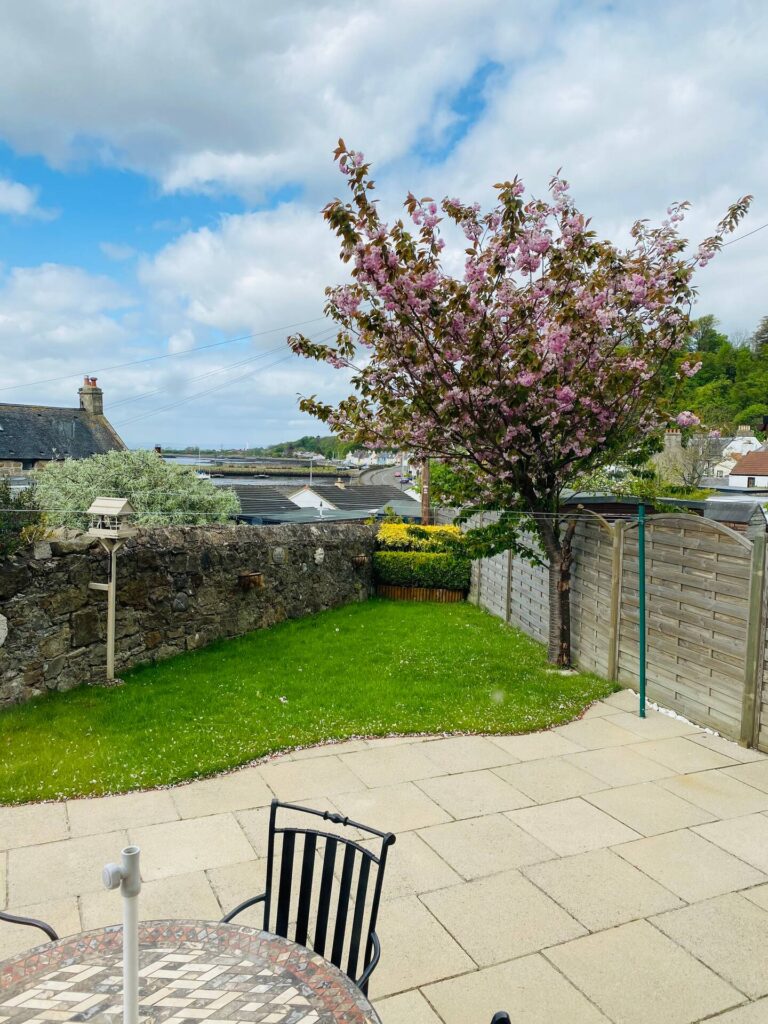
x=706, y=653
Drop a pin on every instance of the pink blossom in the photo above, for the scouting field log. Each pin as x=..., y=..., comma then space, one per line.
x=687, y=419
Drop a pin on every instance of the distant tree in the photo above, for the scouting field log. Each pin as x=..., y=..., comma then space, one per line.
x=549, y=357
x=20, y=521
x=160, y=492
x=705, y=336
x=760, y=337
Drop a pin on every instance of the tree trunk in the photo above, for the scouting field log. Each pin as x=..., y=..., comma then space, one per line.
x=560, y=553
x=559, y=645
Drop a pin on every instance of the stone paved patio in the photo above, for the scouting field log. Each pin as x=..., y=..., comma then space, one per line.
x=612, y=869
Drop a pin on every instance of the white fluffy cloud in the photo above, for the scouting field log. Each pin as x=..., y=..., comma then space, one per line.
x=20, y=200
x=639, y=104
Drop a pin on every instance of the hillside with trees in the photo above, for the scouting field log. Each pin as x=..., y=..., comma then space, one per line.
x=732, y=385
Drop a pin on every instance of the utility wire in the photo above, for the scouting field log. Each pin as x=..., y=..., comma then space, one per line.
x=202, y=394
x=166, y=355
x=746, y=235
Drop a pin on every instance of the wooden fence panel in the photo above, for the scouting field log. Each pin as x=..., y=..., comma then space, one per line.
x=697, y=600
x=591, y=577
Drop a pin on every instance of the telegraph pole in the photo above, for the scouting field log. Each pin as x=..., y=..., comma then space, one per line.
x=425, y=493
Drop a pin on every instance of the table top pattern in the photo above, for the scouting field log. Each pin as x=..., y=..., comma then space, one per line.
x=189, y=971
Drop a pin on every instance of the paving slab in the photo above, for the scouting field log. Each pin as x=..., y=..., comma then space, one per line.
x=501, y=917
x=193, y=844
x=255, y=823
x=407, y=1008
x=618, y=766
x=414, y=867
x=234, y=883
x=649, y=809
x=655, y=726
x=754, y=773
x=181, y=896
x=594, y=733
x=471, y=794
x=601, y=710
x=319, y=776
x=484, y=846
x=110, y=813
x=238, y=791
x=530, y=989
x=636, y=975
x=535, y=745
x=727, y=747
x=746, y=838
x=682, y=755
x=600, y=889
x=55, y=870
x=32, y=824
x=625, y=700
x=386, y=766
x=572, y=826
x=728, y=934
x=329, y=749
x=751, y=1013
x=690, y=866
x=61, y=914
x=718, y=793
x=415, y=949
x=465, y=753
x=396, y=809
x=550, y=779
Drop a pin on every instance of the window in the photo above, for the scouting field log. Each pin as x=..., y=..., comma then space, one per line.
x=750, y=481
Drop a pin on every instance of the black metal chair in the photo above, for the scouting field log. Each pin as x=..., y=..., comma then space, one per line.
x=360, y=864
x=32, y=922
x=502, y=1017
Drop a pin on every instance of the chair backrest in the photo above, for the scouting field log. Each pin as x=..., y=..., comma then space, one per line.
x=30, y=922
x=335, y=914
x=502, y=1017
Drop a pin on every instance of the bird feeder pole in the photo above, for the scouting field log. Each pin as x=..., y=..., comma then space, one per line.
x=110, y=519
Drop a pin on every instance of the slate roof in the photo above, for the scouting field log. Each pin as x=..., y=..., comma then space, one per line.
x=258, y=500
x=751, y=464
x=50, y=433
x=363, y=496
x=732, y=511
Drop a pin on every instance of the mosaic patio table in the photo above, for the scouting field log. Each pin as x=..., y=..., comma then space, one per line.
x=188, y=971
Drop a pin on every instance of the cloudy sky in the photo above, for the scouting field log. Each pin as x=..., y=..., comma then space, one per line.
x=162, y=168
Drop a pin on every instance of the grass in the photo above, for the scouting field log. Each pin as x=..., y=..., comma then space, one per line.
x=366, y=669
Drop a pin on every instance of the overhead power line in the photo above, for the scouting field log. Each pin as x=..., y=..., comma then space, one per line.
x=166, y=355
x=746, y=235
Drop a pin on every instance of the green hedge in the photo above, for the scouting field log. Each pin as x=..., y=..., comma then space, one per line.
x=421, y=569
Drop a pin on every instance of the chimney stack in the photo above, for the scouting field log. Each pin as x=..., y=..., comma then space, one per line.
x=91, y=397
x=743, y=430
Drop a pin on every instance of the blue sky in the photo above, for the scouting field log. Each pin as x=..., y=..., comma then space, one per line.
x=162, y=169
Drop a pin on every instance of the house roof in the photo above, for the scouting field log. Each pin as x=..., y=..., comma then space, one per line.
x=317, y=515
x=258, y=500
x=363, y=496
x=731, y=511
x=751, y=464
x=51, y=433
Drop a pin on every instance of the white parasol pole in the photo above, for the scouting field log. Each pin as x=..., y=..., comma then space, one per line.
x=127, y=877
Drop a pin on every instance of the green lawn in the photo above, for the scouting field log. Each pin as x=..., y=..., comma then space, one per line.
x=367, y=669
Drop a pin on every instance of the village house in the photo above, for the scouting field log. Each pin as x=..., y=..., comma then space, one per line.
x=33, y=435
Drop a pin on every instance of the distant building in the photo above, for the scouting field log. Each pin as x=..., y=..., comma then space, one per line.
x=750, y=471
x=371, y=499
x=34, y=435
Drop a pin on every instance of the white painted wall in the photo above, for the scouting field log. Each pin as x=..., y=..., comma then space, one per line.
x=307, y=498
x=741, y=481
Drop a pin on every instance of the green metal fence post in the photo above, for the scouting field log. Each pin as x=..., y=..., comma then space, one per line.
x=641, y=600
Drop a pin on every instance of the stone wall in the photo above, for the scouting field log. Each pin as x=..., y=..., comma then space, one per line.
x=178, y=588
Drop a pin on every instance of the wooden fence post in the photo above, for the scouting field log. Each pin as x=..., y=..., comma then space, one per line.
x=617, y=569
x=753, y=670
x=509, y=586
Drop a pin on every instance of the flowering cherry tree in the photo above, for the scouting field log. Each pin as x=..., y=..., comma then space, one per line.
x=550, y=356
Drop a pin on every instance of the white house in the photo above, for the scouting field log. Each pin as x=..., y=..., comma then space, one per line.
x=750, y=471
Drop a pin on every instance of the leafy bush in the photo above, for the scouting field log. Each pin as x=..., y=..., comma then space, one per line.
x=160, y=492
x=421, y=569
x=405, y=537
x=20, y=522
